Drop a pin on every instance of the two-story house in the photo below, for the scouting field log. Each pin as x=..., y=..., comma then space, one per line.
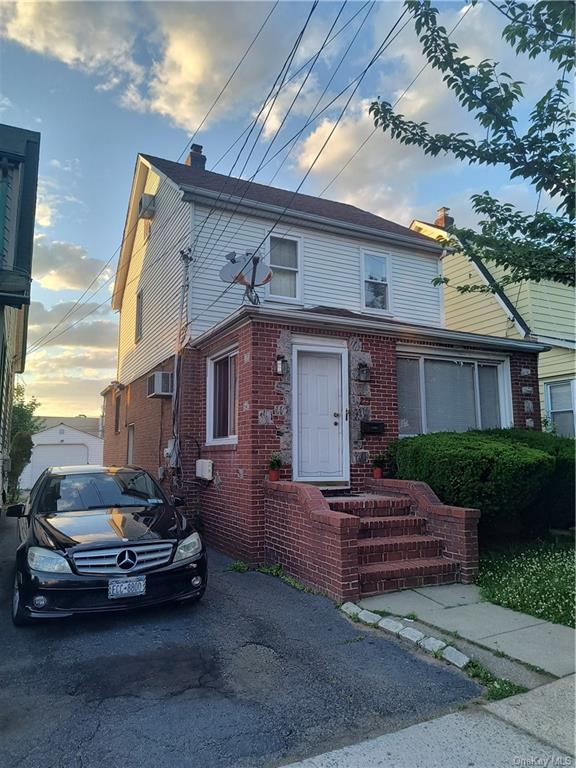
x=347, y=350
x=19, y=153
x=544, y=312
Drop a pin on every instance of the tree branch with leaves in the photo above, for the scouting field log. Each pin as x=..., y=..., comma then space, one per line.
x=536, y=246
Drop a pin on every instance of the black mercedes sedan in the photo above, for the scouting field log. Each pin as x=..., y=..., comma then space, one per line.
x=100, y=539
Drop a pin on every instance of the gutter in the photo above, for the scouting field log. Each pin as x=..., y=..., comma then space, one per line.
x=265, y=210
x=399, y=330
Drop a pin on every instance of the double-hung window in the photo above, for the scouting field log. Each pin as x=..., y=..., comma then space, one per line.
x=222, y=415
x=560, y=398
x=285, y=265
x=376, y=282
x=448, y=395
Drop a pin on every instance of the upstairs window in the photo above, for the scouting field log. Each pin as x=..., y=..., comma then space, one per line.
x=139, y=317
x=284, y=262
x=222, y=409
x=439, y=395
x=376, y=287
x=560, y=397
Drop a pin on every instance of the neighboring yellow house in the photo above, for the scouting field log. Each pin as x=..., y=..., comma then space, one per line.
x=544, y=312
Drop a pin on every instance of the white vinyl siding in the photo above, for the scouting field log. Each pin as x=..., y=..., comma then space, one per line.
x=139, y=317
x=330, y=270
x=441, y=394
x=156, y=271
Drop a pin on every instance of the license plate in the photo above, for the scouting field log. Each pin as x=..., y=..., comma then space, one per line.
x=129, y=587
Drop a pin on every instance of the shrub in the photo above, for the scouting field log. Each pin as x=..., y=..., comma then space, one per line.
x=554, y=506
x=501, y=478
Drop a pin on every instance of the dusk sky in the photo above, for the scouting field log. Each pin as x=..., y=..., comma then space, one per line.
x=103, y=81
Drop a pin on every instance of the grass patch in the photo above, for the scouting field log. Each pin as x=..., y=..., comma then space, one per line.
x=238, y=566
x=382, y=613
x=278, y=573
x=496, y=687
x=535, y=578
x=412, y=616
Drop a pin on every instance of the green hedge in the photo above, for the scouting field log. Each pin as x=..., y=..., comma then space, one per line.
x=554, y=506
x=501, y=477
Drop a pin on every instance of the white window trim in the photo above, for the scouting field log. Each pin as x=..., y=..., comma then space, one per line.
x=388, y=259
x=210, y=439
x=299, y=272
x=548, y=399
x=504, y=384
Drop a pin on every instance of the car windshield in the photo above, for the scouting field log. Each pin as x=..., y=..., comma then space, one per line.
x=95, y=490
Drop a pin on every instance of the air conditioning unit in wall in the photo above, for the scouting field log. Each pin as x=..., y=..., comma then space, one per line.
x=160, y=384
x=146, y=206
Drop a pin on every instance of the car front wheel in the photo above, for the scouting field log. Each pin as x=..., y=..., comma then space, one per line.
x=20, y=616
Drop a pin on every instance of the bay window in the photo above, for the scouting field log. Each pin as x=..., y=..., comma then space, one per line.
x=438, y=394
x=222, y=400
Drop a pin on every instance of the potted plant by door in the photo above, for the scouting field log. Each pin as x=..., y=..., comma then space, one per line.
x=274, y=466
x=378, y=464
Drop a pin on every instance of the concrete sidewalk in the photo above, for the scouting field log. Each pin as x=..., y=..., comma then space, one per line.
x=535, y=728
x=459, y=608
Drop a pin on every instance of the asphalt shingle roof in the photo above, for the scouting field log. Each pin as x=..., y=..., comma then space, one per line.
x=186, y=175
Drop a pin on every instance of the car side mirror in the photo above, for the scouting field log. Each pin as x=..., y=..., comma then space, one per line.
x=178, y=501
x=15, y=510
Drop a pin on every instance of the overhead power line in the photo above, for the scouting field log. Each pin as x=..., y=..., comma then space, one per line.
x=188, y=143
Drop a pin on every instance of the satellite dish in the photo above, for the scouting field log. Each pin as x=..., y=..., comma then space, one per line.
x=246, y=271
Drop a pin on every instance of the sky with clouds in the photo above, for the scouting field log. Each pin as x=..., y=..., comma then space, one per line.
x=103, y=81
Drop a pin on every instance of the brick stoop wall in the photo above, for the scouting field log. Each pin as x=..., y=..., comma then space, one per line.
x=309, y=540
x=400, y=536
x=457, y=526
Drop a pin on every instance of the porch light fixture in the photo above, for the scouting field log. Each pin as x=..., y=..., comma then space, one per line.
x=281, y=365
x=363, y=373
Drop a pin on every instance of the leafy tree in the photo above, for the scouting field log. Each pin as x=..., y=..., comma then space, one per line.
x=20, y=453
x=23, y=418
x=531, y=246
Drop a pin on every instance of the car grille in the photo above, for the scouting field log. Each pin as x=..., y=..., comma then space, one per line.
x=152, y=555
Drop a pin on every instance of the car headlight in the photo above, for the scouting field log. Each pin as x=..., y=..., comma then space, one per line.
x=190, y=546
x=40, y=559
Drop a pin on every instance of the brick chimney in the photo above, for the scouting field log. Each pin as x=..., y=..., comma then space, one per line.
x=196, y=159
x=443, y=220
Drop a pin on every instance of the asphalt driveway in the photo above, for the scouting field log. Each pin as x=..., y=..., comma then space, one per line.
x=258, y=674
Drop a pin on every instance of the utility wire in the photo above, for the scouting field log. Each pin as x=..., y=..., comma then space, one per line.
x=201, y=258
x=382, y=47
x=188, y=143
x=206, y=259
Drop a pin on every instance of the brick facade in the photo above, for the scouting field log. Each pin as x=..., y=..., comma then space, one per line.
x=240, y=513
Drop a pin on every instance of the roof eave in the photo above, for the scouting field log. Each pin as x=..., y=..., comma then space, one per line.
x=399, y=330
x=266, y=210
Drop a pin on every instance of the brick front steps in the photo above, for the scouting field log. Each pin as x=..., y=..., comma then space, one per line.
x=394, y=549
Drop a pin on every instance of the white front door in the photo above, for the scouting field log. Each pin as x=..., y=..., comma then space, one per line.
x=321, y=445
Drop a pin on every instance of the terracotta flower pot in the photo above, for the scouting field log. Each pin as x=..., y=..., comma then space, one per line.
x=377, y=473
x=274, y=475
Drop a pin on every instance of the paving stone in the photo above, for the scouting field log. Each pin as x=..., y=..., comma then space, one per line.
x=455, y=657
x=350, y=609
x=391, y=625
x=432, y=644
x=414, y=635
x=367, y=617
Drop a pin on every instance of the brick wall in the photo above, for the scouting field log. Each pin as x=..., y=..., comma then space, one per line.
x=152, y=420
x=311, y=541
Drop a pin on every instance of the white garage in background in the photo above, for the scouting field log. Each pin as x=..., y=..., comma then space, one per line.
x=61, y=445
